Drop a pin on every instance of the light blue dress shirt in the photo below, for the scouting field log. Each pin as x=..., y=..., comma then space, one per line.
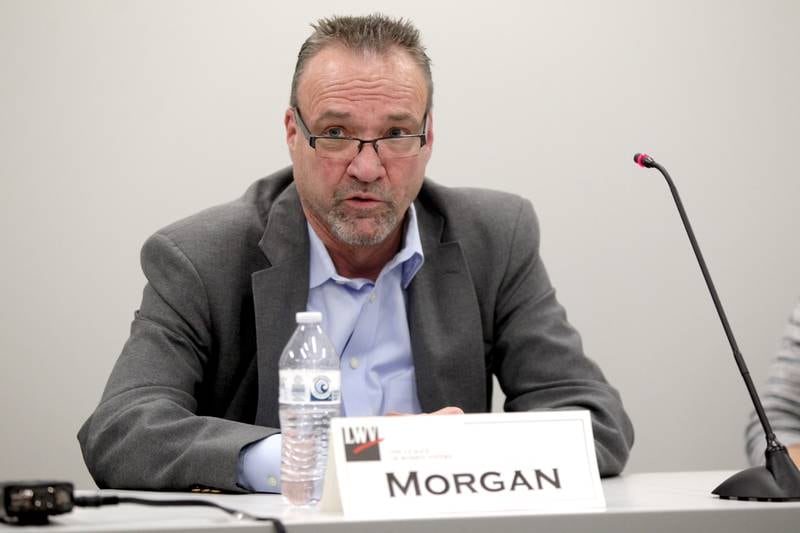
x=367, y=323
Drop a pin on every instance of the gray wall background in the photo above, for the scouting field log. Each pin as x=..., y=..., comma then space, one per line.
x=117, y=118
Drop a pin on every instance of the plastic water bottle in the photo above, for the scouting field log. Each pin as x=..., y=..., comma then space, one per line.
x=309, y=395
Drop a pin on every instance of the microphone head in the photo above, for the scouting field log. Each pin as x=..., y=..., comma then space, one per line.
x=644, y=160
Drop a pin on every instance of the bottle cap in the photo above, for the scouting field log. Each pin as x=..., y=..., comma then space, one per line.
x=309, y=317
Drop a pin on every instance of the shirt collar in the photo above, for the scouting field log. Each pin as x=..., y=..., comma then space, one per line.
x=410, y=257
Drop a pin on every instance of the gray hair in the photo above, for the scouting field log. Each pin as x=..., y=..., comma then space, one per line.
x=372, y=33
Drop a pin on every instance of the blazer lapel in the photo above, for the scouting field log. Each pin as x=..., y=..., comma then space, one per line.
x=279, y=292
x=445, y=326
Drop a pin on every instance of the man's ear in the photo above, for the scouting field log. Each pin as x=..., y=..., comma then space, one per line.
x=427, y=150
x=291, y=128
x=429, y=131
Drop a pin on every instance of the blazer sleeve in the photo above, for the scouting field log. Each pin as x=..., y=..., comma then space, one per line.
x=146, y=432
x=538, y=356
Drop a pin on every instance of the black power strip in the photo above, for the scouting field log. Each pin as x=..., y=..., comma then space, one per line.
x=33, y=502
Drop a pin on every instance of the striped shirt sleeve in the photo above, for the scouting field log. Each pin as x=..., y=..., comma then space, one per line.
x=780, y=396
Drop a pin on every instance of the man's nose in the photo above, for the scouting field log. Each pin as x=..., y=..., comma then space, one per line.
x=366, y=166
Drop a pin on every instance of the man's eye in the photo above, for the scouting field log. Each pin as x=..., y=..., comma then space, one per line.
x=396, y=132
x=333, y=132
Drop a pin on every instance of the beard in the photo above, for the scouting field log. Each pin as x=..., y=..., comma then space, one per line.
x=348, y=225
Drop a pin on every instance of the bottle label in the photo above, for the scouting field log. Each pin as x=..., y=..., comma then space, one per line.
x=310, y=386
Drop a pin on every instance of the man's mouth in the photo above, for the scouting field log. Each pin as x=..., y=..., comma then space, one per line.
x=363, y=201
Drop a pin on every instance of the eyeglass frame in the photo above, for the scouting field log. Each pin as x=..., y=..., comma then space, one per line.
x=312, y=139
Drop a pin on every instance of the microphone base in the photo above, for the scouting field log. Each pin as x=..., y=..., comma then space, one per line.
x=777, y=481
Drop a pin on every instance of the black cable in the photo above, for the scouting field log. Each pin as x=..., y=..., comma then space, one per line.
x=98, y=500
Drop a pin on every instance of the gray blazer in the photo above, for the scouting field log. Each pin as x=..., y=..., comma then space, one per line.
x=197, y=379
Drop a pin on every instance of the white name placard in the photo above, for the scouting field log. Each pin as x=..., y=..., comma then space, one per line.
x=407, y=466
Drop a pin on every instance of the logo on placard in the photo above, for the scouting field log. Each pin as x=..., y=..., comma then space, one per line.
x=362, y=443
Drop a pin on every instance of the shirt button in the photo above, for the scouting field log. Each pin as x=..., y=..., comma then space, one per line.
x=354, y=362
x=272, y=481
x=372, y=297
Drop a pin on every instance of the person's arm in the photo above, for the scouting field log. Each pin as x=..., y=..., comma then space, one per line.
x=538, y=356
x=781, y=398
x=146, y=433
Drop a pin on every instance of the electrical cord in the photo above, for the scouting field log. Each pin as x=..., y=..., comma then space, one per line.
x=98, y=500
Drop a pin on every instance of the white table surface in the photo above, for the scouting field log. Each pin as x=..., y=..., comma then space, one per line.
x=651, y=502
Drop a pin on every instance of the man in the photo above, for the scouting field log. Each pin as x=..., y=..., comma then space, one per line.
x=426, y=291
x=781, y=397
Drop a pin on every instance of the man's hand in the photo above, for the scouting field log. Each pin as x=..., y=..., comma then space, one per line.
x=794, y=453
x=443, y=411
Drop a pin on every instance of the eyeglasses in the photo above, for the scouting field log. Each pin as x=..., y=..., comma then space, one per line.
x=347, y=148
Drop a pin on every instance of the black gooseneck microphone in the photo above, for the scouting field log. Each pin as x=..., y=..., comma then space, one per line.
x=779, y=479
